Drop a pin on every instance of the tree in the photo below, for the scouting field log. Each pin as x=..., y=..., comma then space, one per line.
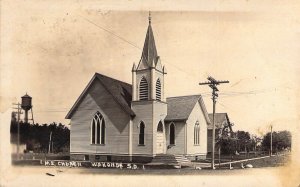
x=226, y=140
x=36, y=136
x=280, y=140
x=228, y=146
x=255, y=141
x=244, y=141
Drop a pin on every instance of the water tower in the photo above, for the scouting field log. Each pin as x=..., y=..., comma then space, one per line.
x=26, y=106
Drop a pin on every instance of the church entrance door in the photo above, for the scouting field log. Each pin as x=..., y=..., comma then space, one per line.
x=160, y=139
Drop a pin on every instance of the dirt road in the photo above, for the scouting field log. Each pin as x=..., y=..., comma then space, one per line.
x=58, y=176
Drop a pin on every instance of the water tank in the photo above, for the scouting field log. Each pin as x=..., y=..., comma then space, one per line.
x=26, y=102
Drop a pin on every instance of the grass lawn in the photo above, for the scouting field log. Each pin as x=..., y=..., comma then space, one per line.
x=274, y=161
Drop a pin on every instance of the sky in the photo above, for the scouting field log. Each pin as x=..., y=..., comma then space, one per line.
x=51, y=51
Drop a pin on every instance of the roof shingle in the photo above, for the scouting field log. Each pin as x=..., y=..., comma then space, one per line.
x=121, y=92
x=180, y=108
x=149, y=54
x=220, y=119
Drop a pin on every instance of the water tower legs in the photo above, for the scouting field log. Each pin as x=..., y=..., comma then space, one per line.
x=26, y=116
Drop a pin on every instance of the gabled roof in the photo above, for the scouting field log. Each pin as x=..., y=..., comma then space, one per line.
x=220, y=120
x=121, y=92
x=180, y=108
x=149, y=54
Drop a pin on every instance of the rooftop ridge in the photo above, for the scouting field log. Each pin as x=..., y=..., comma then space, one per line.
x=199, y=95
x=99, y=74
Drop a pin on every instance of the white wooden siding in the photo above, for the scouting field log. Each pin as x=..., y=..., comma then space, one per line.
x=178, y=148
x=195, y=115
x=116, y=122
x=150, y=112
x=159, y=114
x=143, y=111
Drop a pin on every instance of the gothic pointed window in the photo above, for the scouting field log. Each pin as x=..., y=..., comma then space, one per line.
x=142, y=134
x=98, y=129
x=98, y=132
x=143, y=89
x=197, y=133
x=93, y=132
x=102, y=132
x=160, y=127
x=172, y=134
x=158, y=90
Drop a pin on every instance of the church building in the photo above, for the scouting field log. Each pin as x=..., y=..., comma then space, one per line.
x=116, y=121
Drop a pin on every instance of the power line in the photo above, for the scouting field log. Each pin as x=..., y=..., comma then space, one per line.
x=226, y=107
x=204, y=94
x=234, y=94
x=112, y=33
x=129, y=42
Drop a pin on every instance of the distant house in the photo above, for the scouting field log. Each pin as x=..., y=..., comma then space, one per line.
x=221, y=123
x=113, y=120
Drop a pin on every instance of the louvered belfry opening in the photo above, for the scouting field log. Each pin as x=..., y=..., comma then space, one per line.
x=143, y=89
x=158, y=90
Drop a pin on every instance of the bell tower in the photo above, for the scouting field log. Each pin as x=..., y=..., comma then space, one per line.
x=148, y=97
x=148, y=76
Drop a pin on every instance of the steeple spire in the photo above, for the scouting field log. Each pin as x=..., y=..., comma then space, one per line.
x=149, y=54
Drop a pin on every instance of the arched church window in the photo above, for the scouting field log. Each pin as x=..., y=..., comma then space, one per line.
x=172, y=134
x=143, y=89
x=98, y=129
x=160, y=127
x=158, y=90
x=93, y=132
x=102, y=132
x=142, y=134
x=197, y=133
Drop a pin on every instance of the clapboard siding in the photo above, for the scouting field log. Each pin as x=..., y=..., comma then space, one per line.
x=143, y=111
x=178, y=148
x=196, y=115
x=116, y=123
x=159, y=114
x=150, y=112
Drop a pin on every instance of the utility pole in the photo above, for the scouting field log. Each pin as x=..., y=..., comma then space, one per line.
x=50, y=139
x=271, y=140
x=212, y=83
x=18, y=122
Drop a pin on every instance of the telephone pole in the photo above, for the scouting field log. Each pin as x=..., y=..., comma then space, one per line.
x=271, y=141
x=18, y=122
x=212, y=83
x=50, y=140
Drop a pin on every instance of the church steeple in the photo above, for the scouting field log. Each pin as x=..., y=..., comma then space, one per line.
x=149, y=18
x=149, y=54
x=148, y=76
x=148, y=98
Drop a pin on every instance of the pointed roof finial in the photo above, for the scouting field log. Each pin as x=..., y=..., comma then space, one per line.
x=149, y=54
x=149, y=18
